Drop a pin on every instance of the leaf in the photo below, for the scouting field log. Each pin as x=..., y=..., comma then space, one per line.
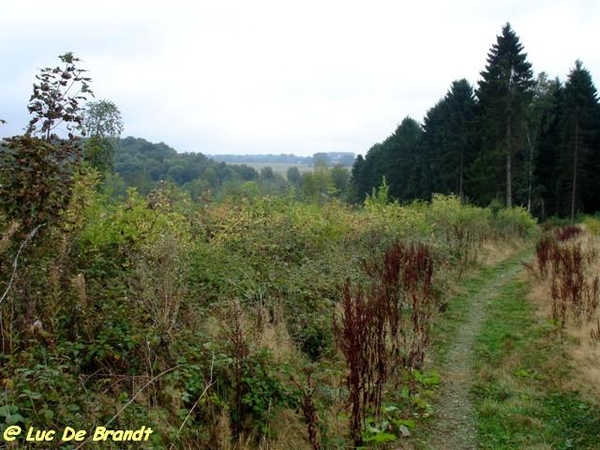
x=404, y=431
x=8, y=410
x=14, y=418
x=407, y=423
x=48, y=414
x=380, y=438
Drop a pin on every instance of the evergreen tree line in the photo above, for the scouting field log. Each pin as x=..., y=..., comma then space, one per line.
x=516, y=140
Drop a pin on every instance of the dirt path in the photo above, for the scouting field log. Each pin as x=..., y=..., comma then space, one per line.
x=455, y=426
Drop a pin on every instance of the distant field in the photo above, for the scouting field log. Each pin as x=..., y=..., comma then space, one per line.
x=280, y=168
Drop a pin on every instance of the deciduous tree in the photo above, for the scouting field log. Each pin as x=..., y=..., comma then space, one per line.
x=104, y=126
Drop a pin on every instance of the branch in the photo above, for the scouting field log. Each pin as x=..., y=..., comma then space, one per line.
x=206, y=388
x=15, y=262
x=132, y=400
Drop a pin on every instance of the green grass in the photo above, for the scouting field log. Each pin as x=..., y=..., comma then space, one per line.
x=448, y=324
x=518, y=394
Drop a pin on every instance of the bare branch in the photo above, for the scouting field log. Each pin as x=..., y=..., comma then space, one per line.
x=15, y=262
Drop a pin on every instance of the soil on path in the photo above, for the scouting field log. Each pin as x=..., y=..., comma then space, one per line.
x=454, y=427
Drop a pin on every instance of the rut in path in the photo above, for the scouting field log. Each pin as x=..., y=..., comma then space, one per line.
x=455, y=425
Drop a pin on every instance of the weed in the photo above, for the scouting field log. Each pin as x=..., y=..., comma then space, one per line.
x=595, y=332
x=567, y=232
x=385, y=327
x=572, y=292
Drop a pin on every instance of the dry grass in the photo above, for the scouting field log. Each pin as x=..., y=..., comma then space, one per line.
x=493, y=252
x=582, y=350
x=259, y=327
x=7, y=236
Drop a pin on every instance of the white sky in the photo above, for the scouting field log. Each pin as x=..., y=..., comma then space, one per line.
x=261, y=76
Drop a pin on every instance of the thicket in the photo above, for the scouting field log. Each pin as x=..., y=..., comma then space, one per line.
x=208, y=321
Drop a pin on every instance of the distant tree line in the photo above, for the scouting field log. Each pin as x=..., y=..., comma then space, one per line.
x=515, y=139
x=144, y=165
x=330, y=158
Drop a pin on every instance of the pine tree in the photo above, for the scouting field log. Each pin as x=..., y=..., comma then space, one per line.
x=398, y=159
x=546, y=159
x=504, y=94
x=363, y=176
x=542, y=103
x=448, y=140
x=580, y=156
x=402, y=164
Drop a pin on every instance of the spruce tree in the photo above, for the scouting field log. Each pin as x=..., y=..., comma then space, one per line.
x=548, y=105
x=580, y=158
x=504, y=93
x=402, y=161
x=448, y=140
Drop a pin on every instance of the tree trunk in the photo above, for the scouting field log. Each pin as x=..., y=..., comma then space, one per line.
x=529, y=173
x=575, y=164
x=461, y=175
x=508, y=166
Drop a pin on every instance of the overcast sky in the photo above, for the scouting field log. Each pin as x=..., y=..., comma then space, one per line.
x=256, y=76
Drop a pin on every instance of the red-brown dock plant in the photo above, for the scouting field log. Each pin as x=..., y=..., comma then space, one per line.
x=573, y=293
x=383, y=328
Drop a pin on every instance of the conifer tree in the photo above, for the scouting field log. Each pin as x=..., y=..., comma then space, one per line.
x=580, y=156
x=448, y=140
x=546, y=168
x=504, y=93
x=401, y=161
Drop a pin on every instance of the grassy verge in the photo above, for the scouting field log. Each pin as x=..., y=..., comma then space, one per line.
x=519, y=393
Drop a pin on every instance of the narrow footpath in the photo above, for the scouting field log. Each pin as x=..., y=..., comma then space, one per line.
x=454, y=427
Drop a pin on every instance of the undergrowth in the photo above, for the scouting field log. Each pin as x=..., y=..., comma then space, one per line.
x=213, y=323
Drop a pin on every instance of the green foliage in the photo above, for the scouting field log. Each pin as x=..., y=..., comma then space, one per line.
x=294, y=177
x=35, y=179
x=398, y=159
x=579, y=158
x=264, y=391
x=592, y=224
x=515, y=222
x=142, y=165
x=448, y=141
x=104, y=125
x=99, y=153
x=135, y=286
x=504, y=93
x=379, y=197
x=391, y=427
x=103, y=119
